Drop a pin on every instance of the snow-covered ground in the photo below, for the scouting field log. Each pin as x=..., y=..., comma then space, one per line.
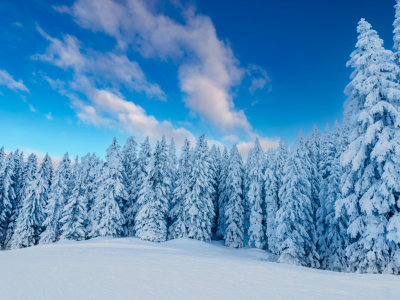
x=128, y=268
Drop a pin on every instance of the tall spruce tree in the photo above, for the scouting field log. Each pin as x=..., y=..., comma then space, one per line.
x=130, y=163
x=234, y=212
x=313, y=145
x=295, y=233
x=74, y=213
x=17, y=179
x=151, y=219
x=198, y=209
x=215, y=166
x=32, y=214
x=7, y=195
x=179, y=226
x=255, y=197
x=222, y=193
x=108, y=219
x=371, y=181
x=273, y=182
x=59, y=191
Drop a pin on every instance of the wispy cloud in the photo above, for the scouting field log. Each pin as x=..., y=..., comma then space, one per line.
x=7, y=80
x=18, y=24
x=207, y=67
x=31, y=108
x=230, y=138
x=49, y=116
x=259, y=79
x=105, y=106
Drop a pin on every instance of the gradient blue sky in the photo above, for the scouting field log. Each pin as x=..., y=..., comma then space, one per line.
x=73, y=74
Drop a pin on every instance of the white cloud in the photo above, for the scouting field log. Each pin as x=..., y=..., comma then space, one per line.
x=49, y=116
x=259, y=78
x=31, y=108
x=8, y=81
x=18, y=24
x=107, y=67
x=207, y=67
x=230, y=138
x=105, y=106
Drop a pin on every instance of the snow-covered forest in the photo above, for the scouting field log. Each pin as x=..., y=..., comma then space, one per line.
x=331, y=201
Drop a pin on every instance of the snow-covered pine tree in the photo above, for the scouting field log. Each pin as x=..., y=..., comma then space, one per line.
x=313, y=144
x=94, y=172
x=94, y=182
x=327, y=155
x=17, y=179
x=141, y=172
x=151, y=219
x=222, y=195
x=7, y=195
x=371, y=180
x=130, y=163
x=271, y=190
x=215, y=166
x=59, y=191
x=295, y=233
x=172, y=162
x=335, y=236
x=108, y=219
x=255, y=197
x=171, y=174
x=234, y=212
x=74, y=214
x=179, y=228
x=245, y=202
x=32, y=214
x=28, y=173
x=273, y=182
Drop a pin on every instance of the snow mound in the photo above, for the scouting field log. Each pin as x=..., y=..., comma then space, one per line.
x=129, y=268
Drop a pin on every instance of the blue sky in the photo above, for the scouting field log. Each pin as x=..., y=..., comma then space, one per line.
x=73, y=74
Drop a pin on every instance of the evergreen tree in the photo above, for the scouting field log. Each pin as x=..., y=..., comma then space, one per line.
x=222, y=193
x=313, y=161
x=32, y=214
x=7, y=195
x=215, y=166
x=328, y=153
x=234, y=212
x=273, y=182
x=130, y=163
x=371, y=180
x=151, y=219
x=172, y=165
x=295, y=231
x=140, y=174
x=255, y=195
x=179, y=227
x=17, y=179
x=74, y=214
x=57, y=199
x=108, y=219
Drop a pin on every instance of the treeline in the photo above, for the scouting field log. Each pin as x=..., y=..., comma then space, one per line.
x=330, y=202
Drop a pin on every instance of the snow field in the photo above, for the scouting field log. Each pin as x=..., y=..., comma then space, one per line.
x=129, y=268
